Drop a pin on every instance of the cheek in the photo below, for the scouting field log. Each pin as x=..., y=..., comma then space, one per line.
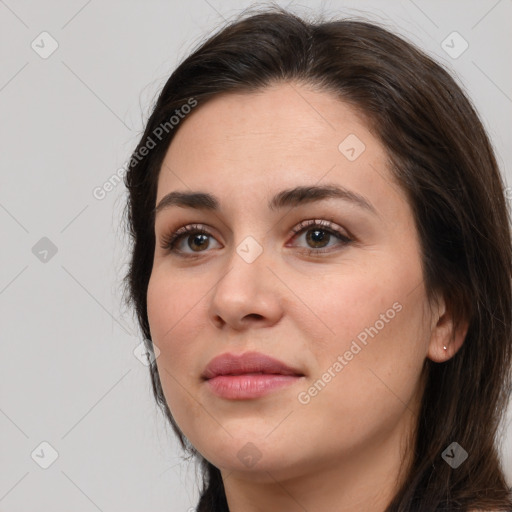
x=352, y=304
x=378, y=296
x=174, y=307
x=382, y=341
x=374, y=320
x=176, y=314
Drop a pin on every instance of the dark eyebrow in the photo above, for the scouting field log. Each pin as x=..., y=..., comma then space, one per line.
x=289, y=197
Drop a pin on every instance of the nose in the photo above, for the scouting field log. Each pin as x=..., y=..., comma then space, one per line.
x=247, y=294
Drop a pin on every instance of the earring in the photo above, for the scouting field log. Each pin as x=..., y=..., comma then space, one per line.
x=445, y=347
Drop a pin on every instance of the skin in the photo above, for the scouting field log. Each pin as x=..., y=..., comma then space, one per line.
x=343, y=450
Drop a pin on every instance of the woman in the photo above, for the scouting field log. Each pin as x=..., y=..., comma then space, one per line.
x=322, y=255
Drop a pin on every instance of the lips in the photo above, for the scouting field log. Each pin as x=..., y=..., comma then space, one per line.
x=248, y=376
x=248, y=363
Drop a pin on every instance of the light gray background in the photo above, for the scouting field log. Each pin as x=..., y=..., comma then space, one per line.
x=68, y=123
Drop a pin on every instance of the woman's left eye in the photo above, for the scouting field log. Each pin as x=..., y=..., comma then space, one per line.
x=318, y=234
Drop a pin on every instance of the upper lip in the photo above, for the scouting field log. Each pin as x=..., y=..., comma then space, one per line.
x=249, y=362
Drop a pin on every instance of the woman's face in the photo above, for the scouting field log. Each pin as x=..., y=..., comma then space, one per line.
x=343, y=303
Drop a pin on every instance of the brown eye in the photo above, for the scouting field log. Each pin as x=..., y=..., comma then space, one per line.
x=318, y=234
x=196, y=237
x=317, y=238
x=199, y=240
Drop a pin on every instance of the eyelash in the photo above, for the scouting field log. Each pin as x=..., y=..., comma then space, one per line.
x=169, y=241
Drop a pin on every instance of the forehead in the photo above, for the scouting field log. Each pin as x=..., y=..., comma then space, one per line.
x=285, y=118
x=254, y=144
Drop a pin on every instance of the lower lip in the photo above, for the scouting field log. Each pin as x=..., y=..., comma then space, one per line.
x=241, y=387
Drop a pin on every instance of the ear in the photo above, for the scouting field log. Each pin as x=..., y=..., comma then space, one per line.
x=445, y=334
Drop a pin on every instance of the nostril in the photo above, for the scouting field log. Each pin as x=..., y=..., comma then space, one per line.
x=256, y=316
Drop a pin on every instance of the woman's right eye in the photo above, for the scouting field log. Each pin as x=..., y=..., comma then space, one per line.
x=195, y=236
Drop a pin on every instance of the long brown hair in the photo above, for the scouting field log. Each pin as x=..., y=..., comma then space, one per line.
x=440, y=154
